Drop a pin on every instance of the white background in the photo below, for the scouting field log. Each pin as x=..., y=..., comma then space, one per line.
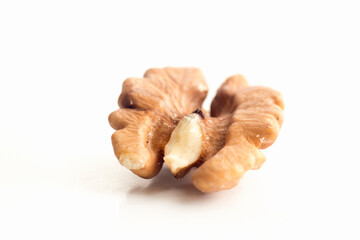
x=62, y=64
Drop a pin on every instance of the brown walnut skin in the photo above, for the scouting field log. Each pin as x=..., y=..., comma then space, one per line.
x=243, y=119
x=150, y=108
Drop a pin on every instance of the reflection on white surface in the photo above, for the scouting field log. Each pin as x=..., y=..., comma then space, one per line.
x=96, y=192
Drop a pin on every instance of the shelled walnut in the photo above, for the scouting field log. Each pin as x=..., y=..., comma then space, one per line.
x=160, y=118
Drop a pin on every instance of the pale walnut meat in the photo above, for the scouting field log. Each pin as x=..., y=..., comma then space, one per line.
x=226, y=144
x=150, y=108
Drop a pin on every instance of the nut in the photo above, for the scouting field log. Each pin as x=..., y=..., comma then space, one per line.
x=225, y=144
x=150, y=108
x=160, y=119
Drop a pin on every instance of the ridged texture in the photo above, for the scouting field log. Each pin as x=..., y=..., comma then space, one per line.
x=150, y=108
x=243, y=119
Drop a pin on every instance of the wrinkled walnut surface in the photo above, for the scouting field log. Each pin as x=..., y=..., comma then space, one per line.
x=242, y=120
x=150, y=108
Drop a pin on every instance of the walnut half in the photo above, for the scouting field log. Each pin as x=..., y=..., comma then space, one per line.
x=160, y=119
